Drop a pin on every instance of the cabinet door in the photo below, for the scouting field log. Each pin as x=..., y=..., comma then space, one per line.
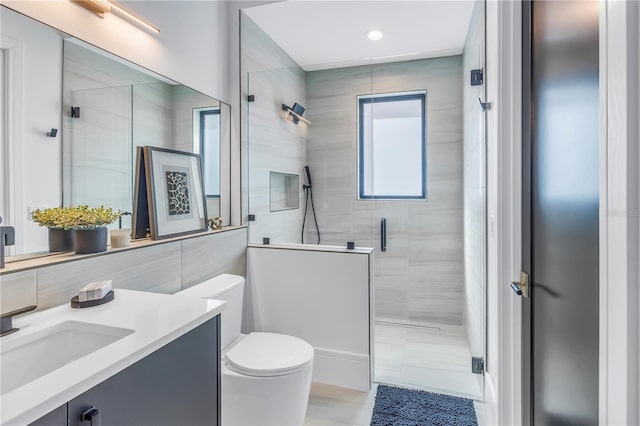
x=179, y=384
x=57, y=417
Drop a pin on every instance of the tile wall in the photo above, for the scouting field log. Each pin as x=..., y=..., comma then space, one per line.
x=421, y=275
x=161, y=268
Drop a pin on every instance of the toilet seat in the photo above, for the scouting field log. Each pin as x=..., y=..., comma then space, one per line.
x=268, y=355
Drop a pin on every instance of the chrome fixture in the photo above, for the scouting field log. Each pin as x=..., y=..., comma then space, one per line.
x=6, y=320
x=7, y=238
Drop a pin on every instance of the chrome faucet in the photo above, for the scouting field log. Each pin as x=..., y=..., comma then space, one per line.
x=7, y=238
x=6, y=320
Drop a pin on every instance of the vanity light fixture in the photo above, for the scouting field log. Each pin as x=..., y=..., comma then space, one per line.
x=97, y=7
x=375, y=35
x=124, y=13
x=102, y=7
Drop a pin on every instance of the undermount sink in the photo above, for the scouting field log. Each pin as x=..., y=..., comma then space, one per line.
x=29, y=357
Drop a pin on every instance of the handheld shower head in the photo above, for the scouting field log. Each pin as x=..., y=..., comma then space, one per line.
x=308, y=172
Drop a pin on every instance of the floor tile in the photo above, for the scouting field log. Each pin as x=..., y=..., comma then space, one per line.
x=434, y=358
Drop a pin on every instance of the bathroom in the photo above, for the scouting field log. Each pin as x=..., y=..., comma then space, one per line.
x=429, y=277
x=144, y=108
x=414, y=291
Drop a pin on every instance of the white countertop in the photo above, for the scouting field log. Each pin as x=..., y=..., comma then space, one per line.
x=156, y=319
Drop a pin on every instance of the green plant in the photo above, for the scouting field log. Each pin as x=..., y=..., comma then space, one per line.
x=51, y=218
x=80, y=217
x=85, y=217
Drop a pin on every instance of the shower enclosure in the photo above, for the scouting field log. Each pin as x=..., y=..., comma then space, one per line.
x=397, y=155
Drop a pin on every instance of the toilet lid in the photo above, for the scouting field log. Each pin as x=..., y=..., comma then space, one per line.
x=268, y=354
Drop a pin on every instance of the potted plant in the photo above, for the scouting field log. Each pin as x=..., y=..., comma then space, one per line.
x=60, y=237
x=90, y=226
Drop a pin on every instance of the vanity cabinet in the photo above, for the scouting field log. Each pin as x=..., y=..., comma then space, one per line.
x=178, y=384
x=54, y=418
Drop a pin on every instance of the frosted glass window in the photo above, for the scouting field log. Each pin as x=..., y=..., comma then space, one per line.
x=392, y=146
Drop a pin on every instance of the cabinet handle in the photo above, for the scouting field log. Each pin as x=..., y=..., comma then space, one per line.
x=383, y=234
x=92, y=415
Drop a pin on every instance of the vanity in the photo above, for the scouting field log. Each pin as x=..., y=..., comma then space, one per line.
x=148, y=357
x=144, y=358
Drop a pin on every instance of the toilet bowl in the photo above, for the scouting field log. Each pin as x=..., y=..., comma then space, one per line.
x=266, y=377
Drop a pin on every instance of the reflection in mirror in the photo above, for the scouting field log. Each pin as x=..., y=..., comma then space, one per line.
x=90, y=161
x=110, y=107
x=284, y=189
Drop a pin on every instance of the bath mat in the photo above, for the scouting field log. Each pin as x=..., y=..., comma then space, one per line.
x=408, y=407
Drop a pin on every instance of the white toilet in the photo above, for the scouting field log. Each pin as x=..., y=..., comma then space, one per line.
x=266, y=377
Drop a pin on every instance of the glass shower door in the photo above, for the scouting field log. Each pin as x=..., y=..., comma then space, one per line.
x=277, y=156
x=430, y=281
x=98, y=150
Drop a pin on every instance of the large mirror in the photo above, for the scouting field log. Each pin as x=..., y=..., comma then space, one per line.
x=89, y=158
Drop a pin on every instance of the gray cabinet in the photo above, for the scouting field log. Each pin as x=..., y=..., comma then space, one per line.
x=57, y=417
x=179, y=384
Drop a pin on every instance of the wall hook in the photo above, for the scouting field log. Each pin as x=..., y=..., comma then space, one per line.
x=484, y=105
x=52, y=133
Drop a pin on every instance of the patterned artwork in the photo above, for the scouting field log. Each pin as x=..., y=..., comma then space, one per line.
x=176, y=203
x=178, y=193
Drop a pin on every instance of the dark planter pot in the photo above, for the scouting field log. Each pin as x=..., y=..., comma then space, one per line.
x=90, y=240
x=60, y=239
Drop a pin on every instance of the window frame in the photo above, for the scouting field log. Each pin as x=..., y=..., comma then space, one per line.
x=202, y=113
x=420, y=95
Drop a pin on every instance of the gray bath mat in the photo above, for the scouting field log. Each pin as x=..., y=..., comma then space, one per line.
x=407, y=407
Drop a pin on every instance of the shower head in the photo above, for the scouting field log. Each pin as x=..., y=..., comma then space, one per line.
x=295, y=113
x=306, y=169
x=298, y=109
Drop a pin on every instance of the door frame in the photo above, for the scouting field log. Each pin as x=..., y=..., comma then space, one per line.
x=619, y=211
x=504, y=311
x=619, y=333
x=527, y=157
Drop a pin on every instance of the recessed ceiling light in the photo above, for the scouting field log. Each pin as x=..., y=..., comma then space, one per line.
x=375, y=35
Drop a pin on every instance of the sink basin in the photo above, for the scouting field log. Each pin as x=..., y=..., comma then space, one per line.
x=29, y=357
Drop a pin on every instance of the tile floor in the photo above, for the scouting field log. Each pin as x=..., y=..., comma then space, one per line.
x=434, y=358
x=333, y=406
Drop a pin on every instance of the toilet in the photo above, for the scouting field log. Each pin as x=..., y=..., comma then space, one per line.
x=266, y=377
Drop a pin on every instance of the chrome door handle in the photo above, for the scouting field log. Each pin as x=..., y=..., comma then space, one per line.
x=521, y=288
x=516, y=288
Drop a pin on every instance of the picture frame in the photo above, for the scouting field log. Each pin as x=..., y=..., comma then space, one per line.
x=175, y=192
x=140, y=217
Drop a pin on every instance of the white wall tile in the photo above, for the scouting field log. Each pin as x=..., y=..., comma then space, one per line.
x=421, y=236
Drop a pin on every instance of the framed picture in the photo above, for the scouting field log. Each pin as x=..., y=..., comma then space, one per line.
x=175, y=192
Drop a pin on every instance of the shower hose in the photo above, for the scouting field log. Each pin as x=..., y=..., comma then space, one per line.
x=308, y=191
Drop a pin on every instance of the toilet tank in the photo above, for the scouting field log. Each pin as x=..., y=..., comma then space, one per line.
x=229, y=288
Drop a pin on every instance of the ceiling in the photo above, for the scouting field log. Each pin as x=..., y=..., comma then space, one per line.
x=323, y=34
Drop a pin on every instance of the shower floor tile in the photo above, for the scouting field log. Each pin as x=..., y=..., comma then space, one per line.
x=436, y=359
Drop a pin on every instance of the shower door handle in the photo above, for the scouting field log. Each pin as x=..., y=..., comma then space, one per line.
x=383, y=234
